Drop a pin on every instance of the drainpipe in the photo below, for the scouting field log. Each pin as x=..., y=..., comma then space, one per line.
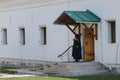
x=101, y=35
x=102, y=61
x=116, y=61
x=68, y=53
x=68, y=4
x=106, y=65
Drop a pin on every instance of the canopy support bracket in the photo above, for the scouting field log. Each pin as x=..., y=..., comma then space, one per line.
x=90, y=30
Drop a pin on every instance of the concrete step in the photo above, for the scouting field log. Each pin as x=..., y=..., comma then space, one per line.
x=76, y=69
x=65, y=69
x=118, y=70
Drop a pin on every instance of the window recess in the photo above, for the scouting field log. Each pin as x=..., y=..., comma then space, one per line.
x=111, y=31
x=43, y=36
x=22, y=36
x=4, y=36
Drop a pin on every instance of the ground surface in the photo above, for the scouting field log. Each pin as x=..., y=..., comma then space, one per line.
x=98, y=77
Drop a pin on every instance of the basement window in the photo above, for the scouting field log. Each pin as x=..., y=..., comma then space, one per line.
x=111, y=31
x=43, y=38
x=4, y=36
x=22, y=36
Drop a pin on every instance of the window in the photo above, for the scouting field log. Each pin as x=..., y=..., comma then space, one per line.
x=4, y=36
x=22, y=36
x=43, y=39
x=112, y=31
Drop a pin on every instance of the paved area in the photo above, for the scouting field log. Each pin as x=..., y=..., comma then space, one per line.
x=66, y=69
x=61, y=69
x=12, y=75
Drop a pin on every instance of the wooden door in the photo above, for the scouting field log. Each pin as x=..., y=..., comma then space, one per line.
x=88, y=45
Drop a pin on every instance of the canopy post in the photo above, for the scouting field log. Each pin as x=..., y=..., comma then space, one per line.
x=79, y=30
x=96, y=31
x=91, y=26
x=90, y=30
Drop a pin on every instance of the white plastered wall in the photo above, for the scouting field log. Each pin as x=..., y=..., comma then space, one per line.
x=58, y=37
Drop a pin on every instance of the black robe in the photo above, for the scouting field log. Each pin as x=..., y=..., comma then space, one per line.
x=76, y=52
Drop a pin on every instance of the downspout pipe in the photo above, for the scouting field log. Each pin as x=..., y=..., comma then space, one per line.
x=107, y=66
x=102, y=61
x=116, y=58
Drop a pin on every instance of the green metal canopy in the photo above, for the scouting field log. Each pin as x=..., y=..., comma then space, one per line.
x=73, y=17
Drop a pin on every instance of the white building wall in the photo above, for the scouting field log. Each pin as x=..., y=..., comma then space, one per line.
x=106, y=10
x=31, y=19
x=58, y=38
x=109, y=11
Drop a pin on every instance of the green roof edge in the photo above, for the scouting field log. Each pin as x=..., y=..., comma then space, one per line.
x=93, y=14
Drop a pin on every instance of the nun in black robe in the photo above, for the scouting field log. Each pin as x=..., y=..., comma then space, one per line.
x=76, y=52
